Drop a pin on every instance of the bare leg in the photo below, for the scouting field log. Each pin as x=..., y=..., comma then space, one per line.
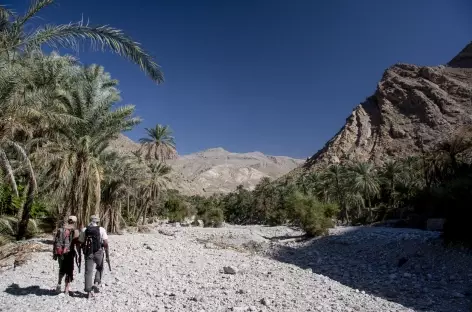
x=59, y=282
x=67, y=285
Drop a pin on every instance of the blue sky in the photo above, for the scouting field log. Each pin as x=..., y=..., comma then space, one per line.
x=274, y=76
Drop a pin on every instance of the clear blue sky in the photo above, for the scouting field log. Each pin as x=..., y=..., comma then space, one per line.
x=278, y=77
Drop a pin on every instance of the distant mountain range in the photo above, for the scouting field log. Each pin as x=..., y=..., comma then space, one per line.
x=216, y=170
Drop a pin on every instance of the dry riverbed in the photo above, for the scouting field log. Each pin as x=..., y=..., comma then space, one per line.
x=239, y=269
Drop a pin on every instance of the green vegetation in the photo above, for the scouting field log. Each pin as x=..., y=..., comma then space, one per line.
x=57, y=120
x=434, y=184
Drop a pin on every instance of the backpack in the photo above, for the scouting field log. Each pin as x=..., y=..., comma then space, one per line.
x=92, y=240
x=63, y=241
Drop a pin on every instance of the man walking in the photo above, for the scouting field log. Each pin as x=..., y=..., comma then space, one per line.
x=94, y=240
x=66, y=248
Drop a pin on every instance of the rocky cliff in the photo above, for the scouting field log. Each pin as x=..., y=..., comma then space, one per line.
x=217, y=170
x=412, y=105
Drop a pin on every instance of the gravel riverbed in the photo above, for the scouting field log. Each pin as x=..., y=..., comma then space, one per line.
x=238, y=268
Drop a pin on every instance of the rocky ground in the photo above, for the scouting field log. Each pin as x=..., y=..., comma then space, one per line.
x=242, y=269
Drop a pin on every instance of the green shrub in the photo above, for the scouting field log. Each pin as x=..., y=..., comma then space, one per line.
x=213, y=217
x=210, y=212
x=39, y=210
x=176, y=210
x=313, y=216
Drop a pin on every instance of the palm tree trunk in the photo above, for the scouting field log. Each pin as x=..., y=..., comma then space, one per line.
x=117, y=218
x=127, y=205
x=23, y=224
x=97, y=192
x=144, y=216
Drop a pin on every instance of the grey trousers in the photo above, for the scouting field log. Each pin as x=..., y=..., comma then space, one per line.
x=97, y=259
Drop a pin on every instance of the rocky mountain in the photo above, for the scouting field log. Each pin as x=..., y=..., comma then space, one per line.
x=412, y=106
x=217, y=170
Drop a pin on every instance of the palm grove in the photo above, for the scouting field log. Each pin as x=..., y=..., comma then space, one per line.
x=436, y=183
x=57, y=120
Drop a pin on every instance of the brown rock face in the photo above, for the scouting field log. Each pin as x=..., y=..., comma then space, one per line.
x=412, y=105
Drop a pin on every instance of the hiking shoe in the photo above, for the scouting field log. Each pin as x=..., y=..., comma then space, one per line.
x=96, y=288
x=90, y=295
x=58, y=288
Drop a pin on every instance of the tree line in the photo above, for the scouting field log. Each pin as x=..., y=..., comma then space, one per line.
x=436, y=183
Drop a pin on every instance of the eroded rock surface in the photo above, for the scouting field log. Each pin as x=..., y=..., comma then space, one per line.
x=413, y=106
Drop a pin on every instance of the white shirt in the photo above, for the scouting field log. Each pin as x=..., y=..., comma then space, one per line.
x=103, y=234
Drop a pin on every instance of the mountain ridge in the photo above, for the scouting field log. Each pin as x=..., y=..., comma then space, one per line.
x=413, y=107
x=216, y=170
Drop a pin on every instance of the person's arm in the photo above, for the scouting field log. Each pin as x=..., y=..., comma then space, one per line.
x=78, y=248
x=76, y=240
x=105, y=243
x=104, y=235
x=54, y=256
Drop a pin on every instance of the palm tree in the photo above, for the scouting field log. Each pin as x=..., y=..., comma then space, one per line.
x=122, y=175
x=18, y=35
x=156, y=180
x=72, y=156
x=391, y=175
x=459, y=142
x=335, y=188
x=26, y=87
x=159, y=144
x=363, y=179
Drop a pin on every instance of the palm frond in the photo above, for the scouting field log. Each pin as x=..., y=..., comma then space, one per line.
x=102, y=37
x=35, y=7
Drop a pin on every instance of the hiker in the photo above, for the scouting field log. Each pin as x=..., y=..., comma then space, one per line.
x=65, y=249
x=94, y=240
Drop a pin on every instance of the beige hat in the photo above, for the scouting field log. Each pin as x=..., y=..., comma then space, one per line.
x=94, y=218
x=72, y=218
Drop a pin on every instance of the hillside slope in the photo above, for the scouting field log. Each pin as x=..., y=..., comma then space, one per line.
x=412, y=106
x=217, y=170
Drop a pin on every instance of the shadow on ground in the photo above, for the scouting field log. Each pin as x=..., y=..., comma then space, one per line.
x=16, y=290
x=410, y=267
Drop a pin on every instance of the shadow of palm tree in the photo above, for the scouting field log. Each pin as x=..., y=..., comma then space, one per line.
x=399, y=265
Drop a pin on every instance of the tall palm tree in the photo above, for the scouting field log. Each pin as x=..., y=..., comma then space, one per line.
x=72, y=157
x=159, y=144
x=18, y=35
x=363, y=179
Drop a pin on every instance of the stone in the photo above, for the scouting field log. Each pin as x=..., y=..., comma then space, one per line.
x=229, y=270
x=264, y=301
